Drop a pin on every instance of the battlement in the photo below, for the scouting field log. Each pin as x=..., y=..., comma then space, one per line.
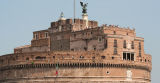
x=68, y=24
x=42, y=34
x=116, y=30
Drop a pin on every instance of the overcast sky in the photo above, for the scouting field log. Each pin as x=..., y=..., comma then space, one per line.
x=19, y=18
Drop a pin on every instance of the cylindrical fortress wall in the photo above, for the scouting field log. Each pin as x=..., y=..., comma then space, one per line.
x=81, y=74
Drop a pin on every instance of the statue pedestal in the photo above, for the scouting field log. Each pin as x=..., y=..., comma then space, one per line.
x=85, y=17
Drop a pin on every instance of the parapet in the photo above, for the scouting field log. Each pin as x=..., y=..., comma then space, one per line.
x=116, y=30
x=61, y=22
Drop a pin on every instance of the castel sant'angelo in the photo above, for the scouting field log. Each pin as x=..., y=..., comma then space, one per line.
x=79, y=51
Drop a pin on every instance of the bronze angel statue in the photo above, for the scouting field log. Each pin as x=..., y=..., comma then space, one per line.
x=84, y=7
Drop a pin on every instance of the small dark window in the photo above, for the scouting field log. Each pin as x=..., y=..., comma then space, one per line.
x=100, y=39
x=115, y=43
x=112, y=57
x=124, y=44
x=145, y=60
x=74, y=35
x=93, y=57
x=127, y=34
x=91, y=32
x=139, y=53
x=114, y=32
x=132, y=45
x=27, y=59
x=46, y=34
x=124, y=56
x=128, y=56
x=103, y=57
x=132, y=56
x=40, y=58
x=36, y=36
x=72, y=49
x=107, y=72
x=85, y=48
x=115, y=51
x=41, y=36
x=139, y=45
x=81, y=57
x=13, y=59
x=106, y=44
x=53, y=57
x=139, y=49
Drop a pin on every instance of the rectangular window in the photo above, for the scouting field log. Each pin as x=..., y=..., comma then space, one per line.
x=124, y=56
x=41, y=36
x=115, y=43
x=139, y=49
x=36, y=36
x=115, y=51
x=53, y=57
x=124, y=44
x=139, y=45
x=132, y=56
x=128, y=56
x=132, y=45
x=106, y=44
x=72, y=49
x=46, y=34
x=139, y=53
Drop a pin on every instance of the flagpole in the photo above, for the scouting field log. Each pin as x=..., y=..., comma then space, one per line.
x=74, y=10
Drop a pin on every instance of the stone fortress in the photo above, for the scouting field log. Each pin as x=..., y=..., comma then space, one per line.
x=79, y=51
